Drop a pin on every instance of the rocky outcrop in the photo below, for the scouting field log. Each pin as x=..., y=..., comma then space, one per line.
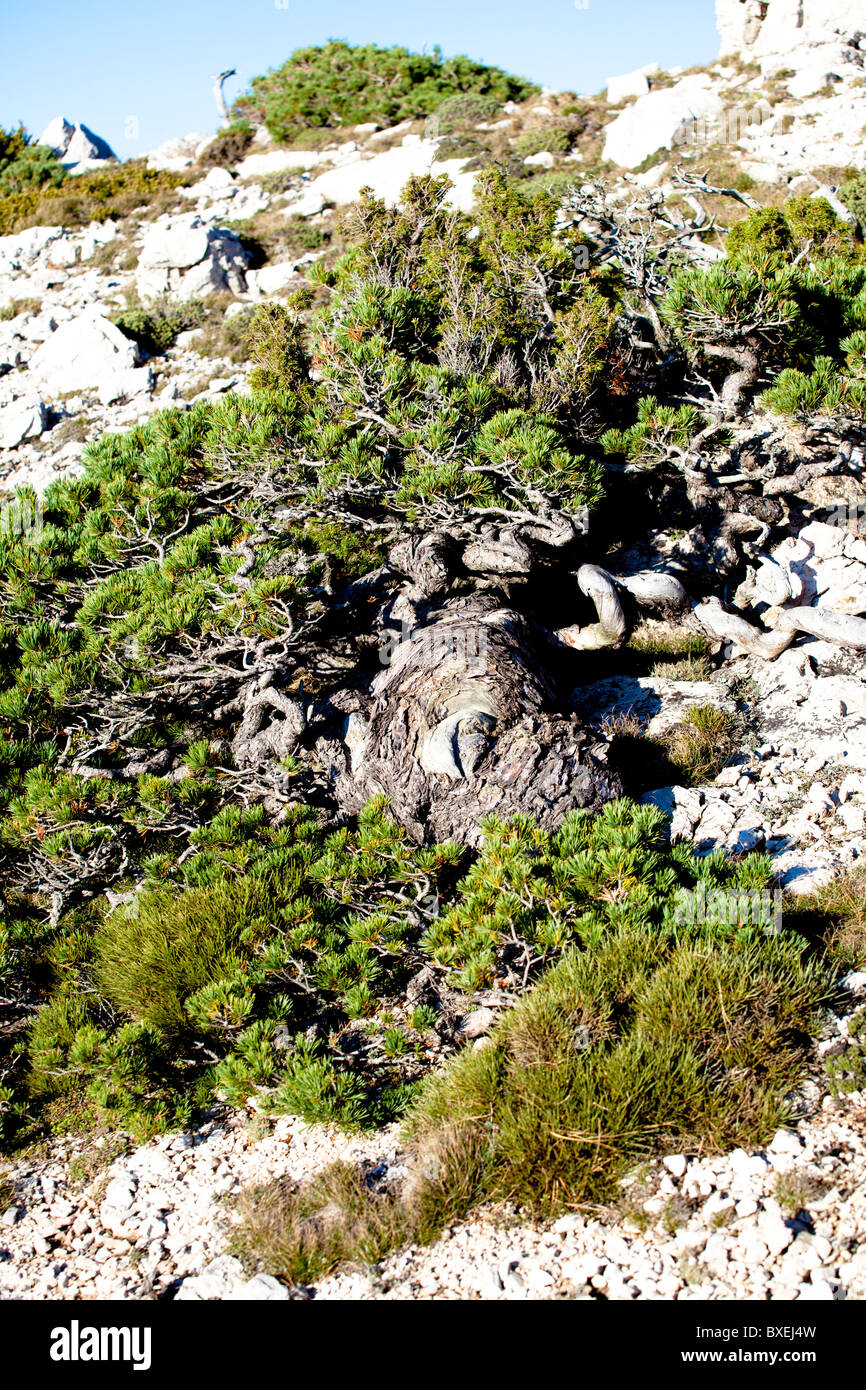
x=386, y=173
x=764, y=28
x=186, y=257
x=76, y=146
x=662, y=120
x=631, y=84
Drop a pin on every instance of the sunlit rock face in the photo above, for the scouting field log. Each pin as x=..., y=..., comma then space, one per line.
x=763, y=28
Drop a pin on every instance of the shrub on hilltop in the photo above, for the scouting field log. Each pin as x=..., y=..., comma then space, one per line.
x=337, y=85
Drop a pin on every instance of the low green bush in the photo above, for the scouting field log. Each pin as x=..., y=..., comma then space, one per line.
x=336, y=85
x=463, y=109
x=155, y=326
x=853, y=195
x=229, y=146
x=552, y=138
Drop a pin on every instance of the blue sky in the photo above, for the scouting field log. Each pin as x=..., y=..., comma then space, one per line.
x=138, y=73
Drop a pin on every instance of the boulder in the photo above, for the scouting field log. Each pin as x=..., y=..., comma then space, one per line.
x=81, y=354
x=824, y=566
x=126, y=382
x=270, y=279
x=174, y=243
x=178, y=154
x=663, y=120
x=630, y=84
x=186, y=257
x=25, y=418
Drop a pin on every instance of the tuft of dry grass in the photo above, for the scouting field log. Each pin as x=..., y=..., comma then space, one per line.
x=702, y=744
x=844, y=901
x=300, y=1233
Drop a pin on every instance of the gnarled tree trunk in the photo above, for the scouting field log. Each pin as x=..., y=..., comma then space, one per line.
x=460, y=725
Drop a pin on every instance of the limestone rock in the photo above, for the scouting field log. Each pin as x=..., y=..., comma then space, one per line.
x=81, y=353
x=630, y=84
x=661, y=120
x=74, y=143
x=25, y=418
x=785, y=27
x=187, y=257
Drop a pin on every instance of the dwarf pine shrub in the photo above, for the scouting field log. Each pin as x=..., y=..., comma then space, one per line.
x=830, y=388
x=853, y=195
x=336, y=86
x=790, y=293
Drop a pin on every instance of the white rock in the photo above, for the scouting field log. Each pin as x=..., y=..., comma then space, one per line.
x=478, y=1022
x=185, y=256
x=73, y=143
x=809, y=81
x=387, y=174
x=747, y=1165
x=25, y=418
x=676, y=1164
x=85, y=147
x=818, y=1291
x=80, y=354
x=221, y=1278
x=774, y=1233
x=262, y=1287
x=270, y=279
x=786, y=1141
x=130, y=381
x=175, y=243
x=784, y=28
x=57, y=134
x=542, y=160
x=630, y=84
x=22, y=249
x=761, y=171
x=662, y=120
x=278, y=161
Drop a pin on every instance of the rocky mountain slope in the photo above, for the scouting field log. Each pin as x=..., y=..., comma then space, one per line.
x=301, y=493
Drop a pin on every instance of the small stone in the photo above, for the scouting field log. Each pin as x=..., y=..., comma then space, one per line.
x=775, y=1234
x=785, y=1141
x=676, y=1164
x=489, y=1282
